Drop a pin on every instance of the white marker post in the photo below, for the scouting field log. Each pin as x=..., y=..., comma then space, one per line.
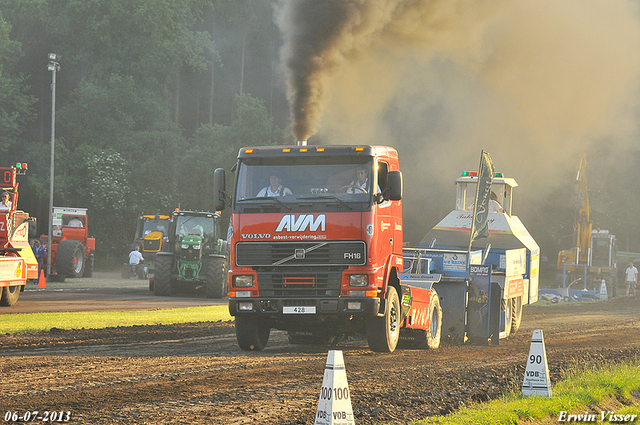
x=536, y=376
x=334, y=405
x=603, y=291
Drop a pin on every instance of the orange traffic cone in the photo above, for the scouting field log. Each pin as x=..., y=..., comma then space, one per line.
x=41, y=283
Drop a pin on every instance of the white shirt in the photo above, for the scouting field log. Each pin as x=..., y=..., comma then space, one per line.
x=364, y=186
x=280, y=191
x=135, y=257
x=4, y=207
x=632, y=274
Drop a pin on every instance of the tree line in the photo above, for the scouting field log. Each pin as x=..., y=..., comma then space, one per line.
x=151, y=97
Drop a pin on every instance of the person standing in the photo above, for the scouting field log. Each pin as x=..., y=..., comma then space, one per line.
x=40, y=252
x=631, y=272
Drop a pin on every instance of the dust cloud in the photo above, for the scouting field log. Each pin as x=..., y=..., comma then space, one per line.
x=534, y=83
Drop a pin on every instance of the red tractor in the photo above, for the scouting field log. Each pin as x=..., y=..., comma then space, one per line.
x=72, y=250
x=17, y=262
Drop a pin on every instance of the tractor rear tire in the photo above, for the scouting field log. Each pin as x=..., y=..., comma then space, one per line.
x=70, y=260
x=252, y=334
x=162, y=277
x=217, y=278
x=383, y=332
x=9, y=295
x=88, y=268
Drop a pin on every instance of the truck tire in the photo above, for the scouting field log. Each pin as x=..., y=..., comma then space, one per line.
x=434, y=332
x=162, y=277
x=506, y=308
x=9, y=295
x=516, y=314
x=252, y=334
x=70, y=259
x=383, y=332
x=217, y=278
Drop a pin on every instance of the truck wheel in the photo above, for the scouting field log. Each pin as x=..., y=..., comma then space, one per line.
x=9, y=295
x=516, y=314
x=70, y=258
x=217, y=278
x=162, y=277
x=252, y=334
x=383, y=332
x=435, y=322
x=506, y=308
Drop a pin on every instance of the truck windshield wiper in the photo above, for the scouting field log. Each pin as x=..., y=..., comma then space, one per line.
x=269, y=198
x=327, y=197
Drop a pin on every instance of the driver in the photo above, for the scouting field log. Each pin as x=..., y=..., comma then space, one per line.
x=274, y=188
x=361, y=183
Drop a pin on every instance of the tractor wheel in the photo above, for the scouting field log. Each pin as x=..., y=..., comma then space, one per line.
x=252, y=334
x=9, y=295
x=162, y=277
x=88, y=268
x=70, y=259
x=217, y=277
x=383, y=332
x=435, y=322
x=516, y=314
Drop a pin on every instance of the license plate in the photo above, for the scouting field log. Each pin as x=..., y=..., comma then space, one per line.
x=299, y=310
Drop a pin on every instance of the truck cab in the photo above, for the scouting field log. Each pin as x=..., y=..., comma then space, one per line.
x=315, y=239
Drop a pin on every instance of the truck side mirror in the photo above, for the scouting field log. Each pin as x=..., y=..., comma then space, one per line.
x=219, y=193
x=394, y=180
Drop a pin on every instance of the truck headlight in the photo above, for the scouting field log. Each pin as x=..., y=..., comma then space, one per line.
x=358, y=280
x=243, y=281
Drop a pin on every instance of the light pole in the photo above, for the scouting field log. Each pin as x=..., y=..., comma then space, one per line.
x=54, y=67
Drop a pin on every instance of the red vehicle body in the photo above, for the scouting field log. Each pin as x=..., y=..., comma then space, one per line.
x=72, y=249
x=17, y=263
x=326, y=259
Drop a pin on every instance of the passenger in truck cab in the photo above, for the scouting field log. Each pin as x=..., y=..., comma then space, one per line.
x=5, y=204
x=275, y=187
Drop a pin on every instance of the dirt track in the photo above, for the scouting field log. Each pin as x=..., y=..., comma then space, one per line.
x=195, y=373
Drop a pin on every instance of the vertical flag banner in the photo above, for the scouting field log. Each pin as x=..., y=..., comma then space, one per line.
x=479, y=225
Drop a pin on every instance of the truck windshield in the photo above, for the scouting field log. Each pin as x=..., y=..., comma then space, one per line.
x=285, y=182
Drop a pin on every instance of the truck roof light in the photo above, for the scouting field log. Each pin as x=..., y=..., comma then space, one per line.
x=248, y=151
x=469, y=174
x=286, y=150
x=303, y=149
x=498, y=175
x=319, y=149
x=359, y=148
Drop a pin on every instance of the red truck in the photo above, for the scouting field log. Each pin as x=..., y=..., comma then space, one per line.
x=17, y=262
x=316, y=248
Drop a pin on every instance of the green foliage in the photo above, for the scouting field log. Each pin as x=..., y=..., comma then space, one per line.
x=16, y=107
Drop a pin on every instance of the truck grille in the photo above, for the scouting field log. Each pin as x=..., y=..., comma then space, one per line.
x=300, y=282
x=295, y=254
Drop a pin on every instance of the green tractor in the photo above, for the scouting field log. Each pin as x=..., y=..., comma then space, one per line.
x=195, y=256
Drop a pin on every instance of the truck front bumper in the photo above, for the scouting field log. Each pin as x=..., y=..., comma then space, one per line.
x=305, y=307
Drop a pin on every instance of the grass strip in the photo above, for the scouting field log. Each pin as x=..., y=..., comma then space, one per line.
x=37, y=322
x=582, y=391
